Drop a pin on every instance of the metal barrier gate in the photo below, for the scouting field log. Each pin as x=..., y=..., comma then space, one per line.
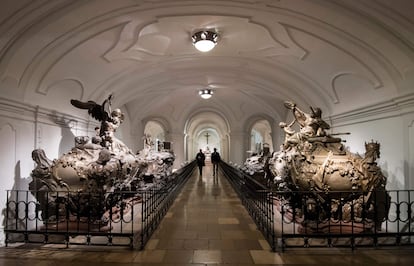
x=130, y=224
x=284, y=227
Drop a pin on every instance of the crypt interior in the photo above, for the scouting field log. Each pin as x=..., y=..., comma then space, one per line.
x=352, y=59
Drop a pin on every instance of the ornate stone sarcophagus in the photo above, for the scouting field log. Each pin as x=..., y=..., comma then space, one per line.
x=322, y=185
x=99, y=179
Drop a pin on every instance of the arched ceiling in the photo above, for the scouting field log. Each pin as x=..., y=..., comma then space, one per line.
x=338, y=55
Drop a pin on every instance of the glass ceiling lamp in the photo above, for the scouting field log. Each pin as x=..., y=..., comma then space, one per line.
x=205, y=40
x=205, y=93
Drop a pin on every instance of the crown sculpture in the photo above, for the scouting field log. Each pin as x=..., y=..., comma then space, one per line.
x=322, y=185
x=98, y=179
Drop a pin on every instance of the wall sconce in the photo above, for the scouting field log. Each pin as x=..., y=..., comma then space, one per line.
x=205, y=93
x=205, y=41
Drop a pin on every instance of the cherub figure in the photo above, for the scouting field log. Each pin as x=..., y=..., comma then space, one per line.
x=109, y=127
x=311, y=124
x=110, y=121
x=291, y=136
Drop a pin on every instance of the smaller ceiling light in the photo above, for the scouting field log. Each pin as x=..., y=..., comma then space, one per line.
x=205, y=41
x=206, y=93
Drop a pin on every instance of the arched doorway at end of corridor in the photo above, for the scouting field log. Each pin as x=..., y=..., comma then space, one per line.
x=207, y=130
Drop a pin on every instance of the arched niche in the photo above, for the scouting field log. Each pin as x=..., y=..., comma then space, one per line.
x=260, y=136
x=156, y=131
x=206, y=130
x=206, y=140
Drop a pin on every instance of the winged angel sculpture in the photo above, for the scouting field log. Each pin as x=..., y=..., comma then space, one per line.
x=110, y=121
x=90, y=179
x=322, y=181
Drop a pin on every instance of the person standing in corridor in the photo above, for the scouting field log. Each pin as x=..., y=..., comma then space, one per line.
x=200, y=158
x=215, y=159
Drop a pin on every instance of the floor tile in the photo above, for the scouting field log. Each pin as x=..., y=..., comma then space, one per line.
x=228, y=221
x=152, y=244
x=172, y=244
x=196, y=244
x=247, y=244
x=178, y=256
x=237, y=257
x=150, y=256
x=207, y=256
x=221, y=244
x=265, y=257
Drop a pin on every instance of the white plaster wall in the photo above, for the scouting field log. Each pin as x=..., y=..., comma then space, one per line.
x=391, y=123
x=391, y=133
x=129, y=136
x=238, y=147
x=7, y=162
x=22, y=129
x=16, y=143
x=394, y=131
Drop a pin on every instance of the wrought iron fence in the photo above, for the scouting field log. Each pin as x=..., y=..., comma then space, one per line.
x=290, y=219
x=255, y=197
x=77, y=218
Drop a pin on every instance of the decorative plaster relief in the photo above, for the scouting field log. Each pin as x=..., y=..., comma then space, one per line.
x=71, y=84
x=343, y=82
x=166, y=36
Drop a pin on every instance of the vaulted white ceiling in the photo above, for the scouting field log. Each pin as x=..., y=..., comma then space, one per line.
x=338, y=55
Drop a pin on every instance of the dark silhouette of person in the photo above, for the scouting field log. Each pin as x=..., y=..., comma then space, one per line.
x=215, y=159
x=200, y=158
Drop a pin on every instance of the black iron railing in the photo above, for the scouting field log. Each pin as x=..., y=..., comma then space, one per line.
x=76, y=218
x=255, y=197
x=158, y=201
x=387, y=223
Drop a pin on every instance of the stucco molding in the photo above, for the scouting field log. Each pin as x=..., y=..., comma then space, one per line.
x=30, y=113
x=396, y=106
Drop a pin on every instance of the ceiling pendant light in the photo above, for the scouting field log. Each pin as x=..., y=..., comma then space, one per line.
x=205, y=93
x=205, y=41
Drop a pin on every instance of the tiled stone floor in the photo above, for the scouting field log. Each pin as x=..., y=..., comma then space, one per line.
x=207, y=225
